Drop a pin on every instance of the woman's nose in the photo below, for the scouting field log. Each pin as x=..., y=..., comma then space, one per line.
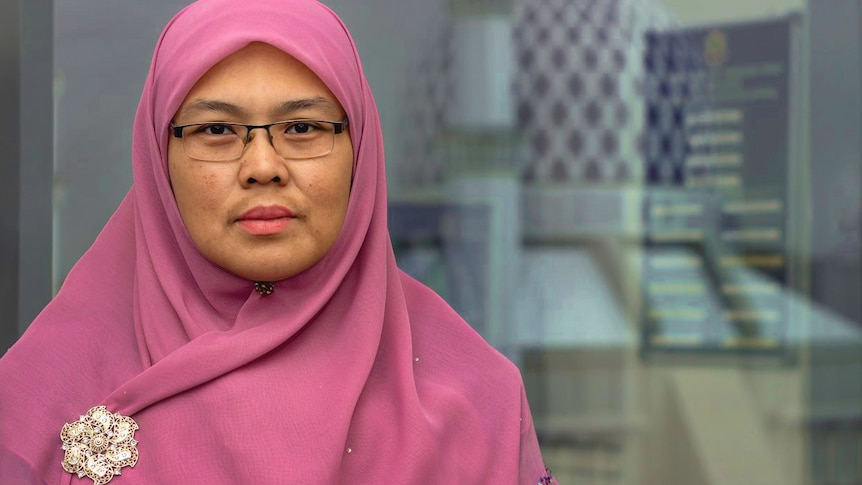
x=260, y=163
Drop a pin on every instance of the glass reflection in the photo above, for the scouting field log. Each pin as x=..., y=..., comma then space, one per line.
x=656, y=279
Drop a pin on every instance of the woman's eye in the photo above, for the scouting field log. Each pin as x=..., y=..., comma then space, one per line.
x=215, y=129
x=299, y=128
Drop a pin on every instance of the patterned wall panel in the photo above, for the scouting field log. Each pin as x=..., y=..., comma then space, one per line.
x=579, y=88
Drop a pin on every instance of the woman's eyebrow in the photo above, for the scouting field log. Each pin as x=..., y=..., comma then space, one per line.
x=202, y=106
x=289, y=108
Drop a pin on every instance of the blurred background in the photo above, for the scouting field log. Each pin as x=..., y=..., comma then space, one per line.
x=651, y=206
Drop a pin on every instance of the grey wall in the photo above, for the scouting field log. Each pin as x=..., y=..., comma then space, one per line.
x=835, y=38
x=10, y=144
x=26, y=139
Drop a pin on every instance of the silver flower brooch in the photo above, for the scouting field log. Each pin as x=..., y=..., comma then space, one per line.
x=99, y=445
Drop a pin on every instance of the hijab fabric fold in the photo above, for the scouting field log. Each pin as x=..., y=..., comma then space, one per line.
x=350, y=372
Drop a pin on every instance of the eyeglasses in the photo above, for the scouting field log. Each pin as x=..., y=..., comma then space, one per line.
x=218, y=141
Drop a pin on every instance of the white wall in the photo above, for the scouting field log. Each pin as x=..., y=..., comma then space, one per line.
x=695, y=12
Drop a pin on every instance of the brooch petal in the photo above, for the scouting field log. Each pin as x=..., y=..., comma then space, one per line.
x=99, y=445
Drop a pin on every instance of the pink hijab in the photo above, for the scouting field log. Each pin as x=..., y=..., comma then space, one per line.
x=350, y=372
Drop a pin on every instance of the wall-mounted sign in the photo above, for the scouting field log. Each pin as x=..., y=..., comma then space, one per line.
x=717, y=154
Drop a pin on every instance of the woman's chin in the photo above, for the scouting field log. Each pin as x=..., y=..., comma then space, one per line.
x=264, y=273
x=268, y=276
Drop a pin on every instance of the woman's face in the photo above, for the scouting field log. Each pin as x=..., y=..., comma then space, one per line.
x=262, y=217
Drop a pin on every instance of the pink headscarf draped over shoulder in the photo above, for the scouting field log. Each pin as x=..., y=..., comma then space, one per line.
x=350, y=372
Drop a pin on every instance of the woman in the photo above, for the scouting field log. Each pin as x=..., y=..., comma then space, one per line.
x=241, y=318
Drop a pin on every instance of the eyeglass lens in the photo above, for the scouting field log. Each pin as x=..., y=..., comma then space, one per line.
x=291, y=140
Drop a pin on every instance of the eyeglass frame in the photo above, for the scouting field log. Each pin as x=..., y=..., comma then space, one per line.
x=337, y=129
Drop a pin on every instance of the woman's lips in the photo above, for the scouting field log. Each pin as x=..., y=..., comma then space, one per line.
x=265, y=220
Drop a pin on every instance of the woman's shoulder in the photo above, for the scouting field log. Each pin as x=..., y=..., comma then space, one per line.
x=63, y=365
x=68, y=338
x=39, y=374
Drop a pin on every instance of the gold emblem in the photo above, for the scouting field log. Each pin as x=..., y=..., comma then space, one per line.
x=715, y=51
x=99, y=445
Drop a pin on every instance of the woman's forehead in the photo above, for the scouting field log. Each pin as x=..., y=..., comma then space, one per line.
x=260, y=79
